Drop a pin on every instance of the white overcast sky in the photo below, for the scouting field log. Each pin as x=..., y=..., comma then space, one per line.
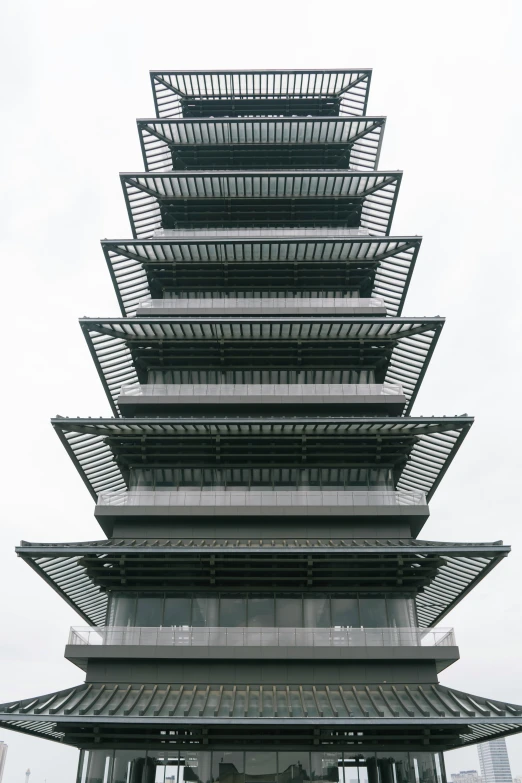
x=75, y=77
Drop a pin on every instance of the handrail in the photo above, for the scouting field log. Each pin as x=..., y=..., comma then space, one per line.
x=262, y=637
x=251, y=303
x=258, y=496
x=268, y=390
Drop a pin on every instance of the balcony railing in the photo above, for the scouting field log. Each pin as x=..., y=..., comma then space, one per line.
x=263, y=637
x=261, y=232
x=272, y=391
x=258, y=497
x=290, y=305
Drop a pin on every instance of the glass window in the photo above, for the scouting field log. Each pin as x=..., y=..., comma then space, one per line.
x=260, y=766
x=162, y=767
x=359, y=768
x=356, y=478
x=289, y=612
x=373, y=612
x=82, y=766
x=122, y=609
x=394, y=767
x=141, y=478
x=261, y=612
x=128, y=766
x=439, y=767
x=345, y=612
x=317, y=612
x=177, y=610
x=228, y=766
x=149, y=610
x=325, y=766
x=95, y=766
x=401, y=612
x=196, y=766
x=205, y=611
x=232, y=612
x=424, y=767
x=293, y=766
x=380, y=478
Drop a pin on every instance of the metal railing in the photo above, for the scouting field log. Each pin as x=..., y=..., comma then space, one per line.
x=297, y=304
x=270, y=390
x=261, y=233
x=263, y=637
x=261, y=498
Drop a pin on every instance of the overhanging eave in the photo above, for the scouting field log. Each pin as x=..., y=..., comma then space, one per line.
x=457, y=718
x=459, y=567
x=135, y=266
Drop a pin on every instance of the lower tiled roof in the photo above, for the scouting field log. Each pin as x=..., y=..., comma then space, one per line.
x=471, y=718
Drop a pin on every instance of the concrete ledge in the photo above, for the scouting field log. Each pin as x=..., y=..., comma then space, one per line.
x=81, y=654
x=390, y=404
x=264, y=507
x=275, y=306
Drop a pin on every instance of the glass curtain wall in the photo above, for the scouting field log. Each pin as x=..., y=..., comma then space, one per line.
x=259, y=766
x=357, y=479
x=261, y=610
x=200, y=375
x=255, y=293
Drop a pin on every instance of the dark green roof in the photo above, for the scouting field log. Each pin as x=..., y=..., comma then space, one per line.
x=430, y=715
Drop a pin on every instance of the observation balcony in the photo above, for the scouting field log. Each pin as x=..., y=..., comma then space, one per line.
x=219, y=506
x=269, y=306
x=158, y=398
x=338, y=643
x=261, y=232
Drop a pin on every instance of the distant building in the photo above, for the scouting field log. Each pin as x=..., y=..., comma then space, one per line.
x=467, y=776
x=494, y=762
x=3, y=756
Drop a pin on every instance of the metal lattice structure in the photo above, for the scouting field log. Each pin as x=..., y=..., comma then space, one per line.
x=443, y=573
x=262, y=481
x=121, y=347
x=381, y=267
x=270, y=143
x=420, y=449
x=256, y=93
x=215, y=199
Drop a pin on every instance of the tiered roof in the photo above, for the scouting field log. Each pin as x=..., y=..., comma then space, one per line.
x=202, y=199
x=261, y=142
x=442, y=573
x=395, y=715
x=258, y=93
x=419, y=449
x=309, y=260
x=122, y=348
x=230, y=149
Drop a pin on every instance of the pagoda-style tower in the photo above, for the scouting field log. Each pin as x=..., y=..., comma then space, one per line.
x=262, y=609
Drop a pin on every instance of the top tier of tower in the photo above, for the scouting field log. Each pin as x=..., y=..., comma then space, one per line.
x=261, y=120
x=329, y=93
